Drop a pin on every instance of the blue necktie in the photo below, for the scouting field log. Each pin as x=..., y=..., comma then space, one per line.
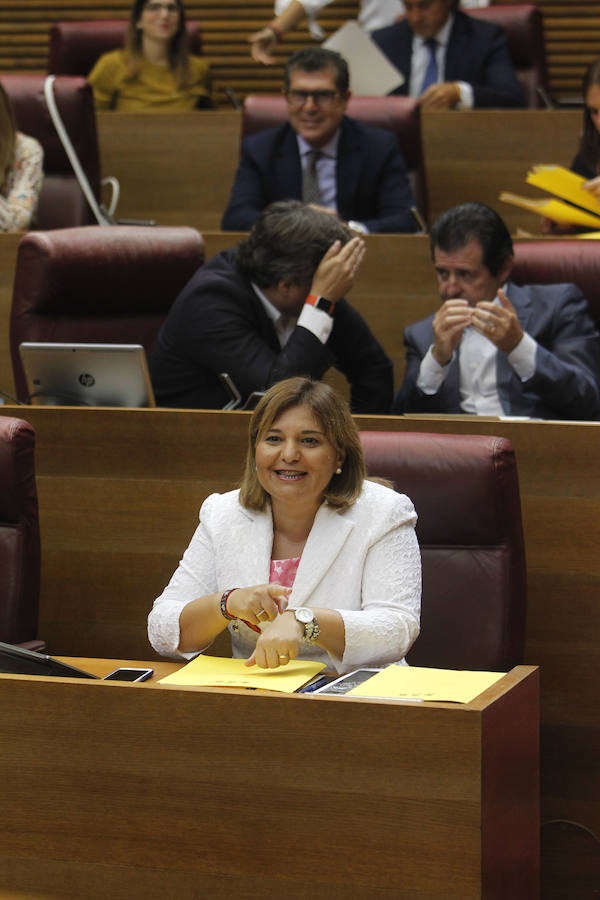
x=431, y=72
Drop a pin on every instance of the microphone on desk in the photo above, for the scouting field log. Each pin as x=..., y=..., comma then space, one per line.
x=419, y=220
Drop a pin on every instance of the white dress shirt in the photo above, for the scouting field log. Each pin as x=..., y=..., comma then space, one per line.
x=317, y=321
x=477, y=359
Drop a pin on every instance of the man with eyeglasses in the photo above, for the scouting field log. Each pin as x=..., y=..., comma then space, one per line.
x=322, y=156
x=449, y=59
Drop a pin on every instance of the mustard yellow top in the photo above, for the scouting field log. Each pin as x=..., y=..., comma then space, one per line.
x=154, y=89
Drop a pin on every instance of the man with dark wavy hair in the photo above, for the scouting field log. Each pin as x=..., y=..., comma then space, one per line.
x=272, y=308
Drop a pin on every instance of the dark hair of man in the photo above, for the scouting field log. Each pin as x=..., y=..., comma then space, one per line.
x=589, y=148
x=288, y=241
x=178, y=47
x=333, y=415
x=460, y=224
x=315, y=59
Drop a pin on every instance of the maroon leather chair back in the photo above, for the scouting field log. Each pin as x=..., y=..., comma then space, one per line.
x=98, y=284
x=76, y=46
x=524, y=28
x=465, y=489
x=19, y=533
x=398, y=114
x=62, y=203
x=553, y=262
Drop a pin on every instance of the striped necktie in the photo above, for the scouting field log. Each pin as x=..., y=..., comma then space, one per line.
x=310, y=179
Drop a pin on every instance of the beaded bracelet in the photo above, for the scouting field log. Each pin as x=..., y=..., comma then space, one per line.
x=234, y=619
x=223, y=604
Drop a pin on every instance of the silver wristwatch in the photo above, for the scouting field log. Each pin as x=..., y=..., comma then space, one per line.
x=307, y=619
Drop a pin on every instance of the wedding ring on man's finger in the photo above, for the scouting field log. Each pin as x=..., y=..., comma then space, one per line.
x=284, y=657
x=261, y=612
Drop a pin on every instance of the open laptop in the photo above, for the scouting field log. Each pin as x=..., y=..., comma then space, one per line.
x=18, y=661
x=61, y=374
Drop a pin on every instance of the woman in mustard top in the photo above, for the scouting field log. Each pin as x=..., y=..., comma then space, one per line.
x=154, y=71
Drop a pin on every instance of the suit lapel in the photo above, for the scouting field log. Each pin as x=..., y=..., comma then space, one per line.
x=287, y=169
x=252, y=533
x=348, y=170
x=457, y=50
x=505, y=374
x=329, y=533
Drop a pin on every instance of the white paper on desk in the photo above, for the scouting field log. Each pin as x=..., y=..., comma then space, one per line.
x=371, y=72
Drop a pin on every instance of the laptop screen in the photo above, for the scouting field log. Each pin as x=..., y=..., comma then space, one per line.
x=64, y=374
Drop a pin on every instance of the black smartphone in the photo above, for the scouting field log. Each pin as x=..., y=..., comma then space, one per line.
x=125, y=674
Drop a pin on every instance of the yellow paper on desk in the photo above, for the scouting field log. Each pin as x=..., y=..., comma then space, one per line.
x=553, y=209
x=217, y=671
x=419, y=683
x=563, y=183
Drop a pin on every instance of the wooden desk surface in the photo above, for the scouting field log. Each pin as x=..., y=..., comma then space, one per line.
x=130, y=791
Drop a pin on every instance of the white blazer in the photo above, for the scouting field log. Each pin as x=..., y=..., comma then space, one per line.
x=363, y=562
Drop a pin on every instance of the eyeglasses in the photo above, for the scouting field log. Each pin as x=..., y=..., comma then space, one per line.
x=319, y=98
x=155, y=8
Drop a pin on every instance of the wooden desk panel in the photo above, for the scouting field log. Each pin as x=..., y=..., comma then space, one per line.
x=153, y=792
x=176, y=168
x=476, y=154
x=179, y=168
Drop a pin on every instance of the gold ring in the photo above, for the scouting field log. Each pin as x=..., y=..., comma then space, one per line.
x=261, y=612
x=284, y=657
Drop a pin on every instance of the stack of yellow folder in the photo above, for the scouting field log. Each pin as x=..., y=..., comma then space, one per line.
x=581, y=209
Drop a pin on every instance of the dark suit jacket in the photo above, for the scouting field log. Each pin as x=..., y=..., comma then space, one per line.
x=218, y=324
x=372, y=181
x=566, y=383
x=477, y=53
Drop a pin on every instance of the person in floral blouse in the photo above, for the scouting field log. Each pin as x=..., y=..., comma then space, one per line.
x=21, y=172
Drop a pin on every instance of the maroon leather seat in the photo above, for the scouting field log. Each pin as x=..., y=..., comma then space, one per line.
x=524, y=28
x=398, y=114
x=99, y=284
x=465, y=489
x=76, y=46
x=62, y=203
x=553, y=262
x=19, y=535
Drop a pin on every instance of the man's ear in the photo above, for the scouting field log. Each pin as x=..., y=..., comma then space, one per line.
x=506, y=268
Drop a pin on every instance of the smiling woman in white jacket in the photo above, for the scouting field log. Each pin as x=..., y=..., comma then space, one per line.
x=308, y=559
x=373, y=14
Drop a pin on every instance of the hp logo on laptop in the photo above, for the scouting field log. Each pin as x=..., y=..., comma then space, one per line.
x=86, y=379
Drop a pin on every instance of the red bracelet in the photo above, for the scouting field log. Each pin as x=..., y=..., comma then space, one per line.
x=277, y=32
x=224, y=611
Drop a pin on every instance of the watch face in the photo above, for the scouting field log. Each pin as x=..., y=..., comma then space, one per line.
x=304, y=615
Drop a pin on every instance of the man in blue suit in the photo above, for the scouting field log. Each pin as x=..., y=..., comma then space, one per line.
x=449, y=58
x=494, y=348
x=322, y=156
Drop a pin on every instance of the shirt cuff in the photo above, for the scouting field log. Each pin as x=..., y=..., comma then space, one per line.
x=466, y=95
x=431, y=374
x=316, y=321
x=522, y=358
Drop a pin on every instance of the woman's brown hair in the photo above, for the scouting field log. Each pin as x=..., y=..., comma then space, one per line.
x=333, y=415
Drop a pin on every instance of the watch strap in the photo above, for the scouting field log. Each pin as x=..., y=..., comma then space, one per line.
x=322, y=303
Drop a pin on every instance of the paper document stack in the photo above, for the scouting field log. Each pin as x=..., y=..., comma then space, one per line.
x=581, y=207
